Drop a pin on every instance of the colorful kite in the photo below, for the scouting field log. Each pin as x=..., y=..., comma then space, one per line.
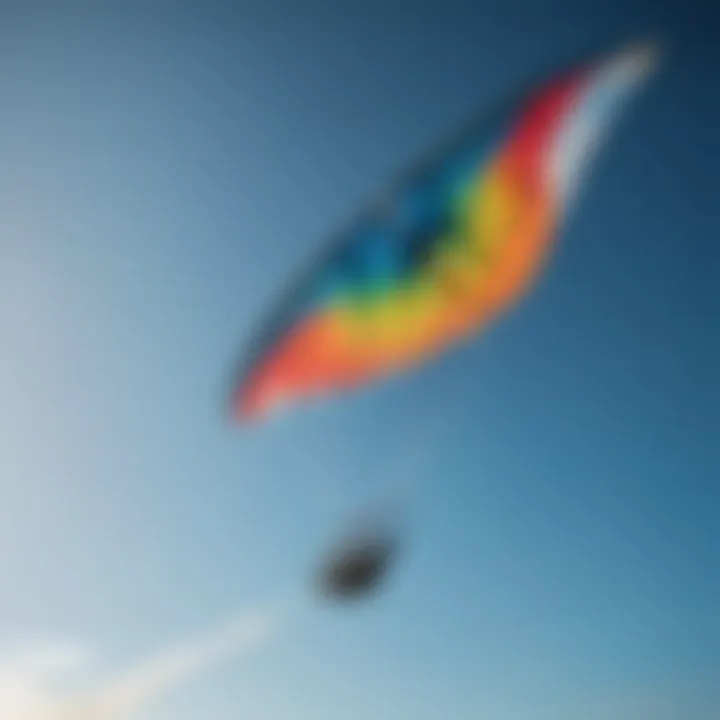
x=460, y=240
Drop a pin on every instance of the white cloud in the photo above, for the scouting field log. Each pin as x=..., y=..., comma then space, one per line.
x=28, y=681
x=31, y=683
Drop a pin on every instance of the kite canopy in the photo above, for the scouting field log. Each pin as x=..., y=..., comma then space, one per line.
x=460, y=240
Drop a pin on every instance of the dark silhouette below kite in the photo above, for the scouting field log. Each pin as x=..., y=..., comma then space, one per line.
x=358, y=566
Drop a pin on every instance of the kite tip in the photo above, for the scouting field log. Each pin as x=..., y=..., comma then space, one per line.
x=242, y=410
x=251, y=407
x=644, y=55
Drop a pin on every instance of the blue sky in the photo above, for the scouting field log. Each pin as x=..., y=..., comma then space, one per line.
x=165, y=167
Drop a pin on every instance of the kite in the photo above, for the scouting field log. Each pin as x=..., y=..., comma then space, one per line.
x=453, y=245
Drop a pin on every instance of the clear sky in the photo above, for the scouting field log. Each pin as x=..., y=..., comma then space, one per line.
x=164, y=167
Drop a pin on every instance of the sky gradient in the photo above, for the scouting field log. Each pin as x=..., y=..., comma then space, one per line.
x=165, y=167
